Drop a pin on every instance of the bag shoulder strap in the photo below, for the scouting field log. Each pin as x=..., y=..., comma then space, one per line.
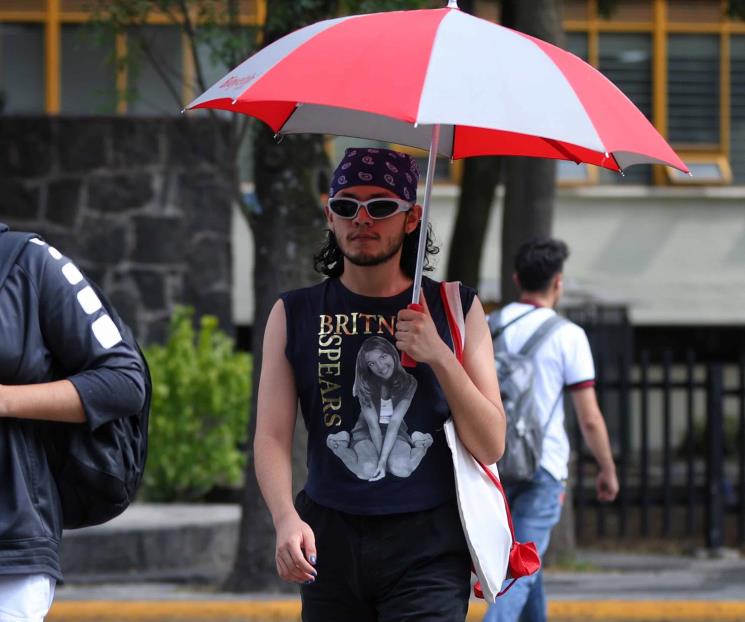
x=12, y=244
x=452, y=304
x=540, y=335
x=450, y=294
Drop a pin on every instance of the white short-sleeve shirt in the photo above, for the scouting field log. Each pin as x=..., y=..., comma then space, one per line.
x=563, y=361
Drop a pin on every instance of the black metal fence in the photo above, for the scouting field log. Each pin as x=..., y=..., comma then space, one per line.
x=677, y=427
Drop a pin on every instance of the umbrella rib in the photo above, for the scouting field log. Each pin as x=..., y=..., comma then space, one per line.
x=562, y=149
x=289, y=116
x=612, y=155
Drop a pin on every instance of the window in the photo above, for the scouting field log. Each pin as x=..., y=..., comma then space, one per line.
x=88, y=72
x=576, y=43
x=626, y=60
x=737, y=103
x=693, y=89
x=568, y=173
x=209, y=54
x=706, y=169
x=21, y=69
x=153, y=97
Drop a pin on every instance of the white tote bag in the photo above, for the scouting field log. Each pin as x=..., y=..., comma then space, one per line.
x=483, y=516
x=482, y=504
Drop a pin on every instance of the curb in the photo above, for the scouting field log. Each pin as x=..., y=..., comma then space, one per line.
x=289, y=610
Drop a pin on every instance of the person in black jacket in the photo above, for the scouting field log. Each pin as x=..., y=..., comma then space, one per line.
x=62, y=359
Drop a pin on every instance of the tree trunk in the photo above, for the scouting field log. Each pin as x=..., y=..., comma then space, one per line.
x=530, y=183
x=287, y=228
x=480, y=179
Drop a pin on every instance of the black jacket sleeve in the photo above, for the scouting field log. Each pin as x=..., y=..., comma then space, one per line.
x=104, y=367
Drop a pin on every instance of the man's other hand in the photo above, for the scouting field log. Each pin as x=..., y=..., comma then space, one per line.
x=296, y=550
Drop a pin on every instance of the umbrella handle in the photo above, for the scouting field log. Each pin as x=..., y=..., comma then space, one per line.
x=406, y=360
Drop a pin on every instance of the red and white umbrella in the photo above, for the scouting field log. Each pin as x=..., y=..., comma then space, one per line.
x=445, y=81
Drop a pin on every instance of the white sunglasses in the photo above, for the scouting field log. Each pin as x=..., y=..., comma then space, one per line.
x=347, y=207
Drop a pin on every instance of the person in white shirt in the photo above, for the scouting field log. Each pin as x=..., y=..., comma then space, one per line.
x=563, y=362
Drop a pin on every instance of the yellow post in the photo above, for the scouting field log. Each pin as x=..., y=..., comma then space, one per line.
x=52, y=46
x=189, y=87
x=724, y=88
x=121, y=73
x=659, y=77
x=593, y=35
x=261, y=12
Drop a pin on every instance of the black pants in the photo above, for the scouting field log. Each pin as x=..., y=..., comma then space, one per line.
x=412, y=566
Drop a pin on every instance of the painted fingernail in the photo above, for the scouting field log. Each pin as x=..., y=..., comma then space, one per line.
x=313, y=559
x=308, y=582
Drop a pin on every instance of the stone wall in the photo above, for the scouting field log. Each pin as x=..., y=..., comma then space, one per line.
x=136, y=203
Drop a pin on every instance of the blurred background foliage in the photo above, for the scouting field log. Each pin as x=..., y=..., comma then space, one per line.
x=200, y=409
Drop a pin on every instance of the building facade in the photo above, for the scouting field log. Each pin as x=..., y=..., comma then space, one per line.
x=668, y=246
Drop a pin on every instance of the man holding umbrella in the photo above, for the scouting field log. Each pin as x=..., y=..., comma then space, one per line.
x=378, y=463
x=375, y=533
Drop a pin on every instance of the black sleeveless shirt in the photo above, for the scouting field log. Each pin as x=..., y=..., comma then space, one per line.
x=375, y=429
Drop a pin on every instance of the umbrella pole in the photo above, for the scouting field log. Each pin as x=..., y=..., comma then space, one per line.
x=434, y=145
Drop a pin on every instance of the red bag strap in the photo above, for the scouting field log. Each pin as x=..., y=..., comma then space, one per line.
x=498, y=484
x=455, y=333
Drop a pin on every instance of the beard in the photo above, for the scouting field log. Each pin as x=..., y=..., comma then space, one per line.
x=362, y=258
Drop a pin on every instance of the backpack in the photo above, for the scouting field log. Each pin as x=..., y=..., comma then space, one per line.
x=97, y=472
x=516, y=370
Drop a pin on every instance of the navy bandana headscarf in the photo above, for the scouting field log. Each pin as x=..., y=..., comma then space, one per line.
x=362, y=166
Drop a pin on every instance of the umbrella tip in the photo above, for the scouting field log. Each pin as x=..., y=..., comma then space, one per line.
x=452, y=4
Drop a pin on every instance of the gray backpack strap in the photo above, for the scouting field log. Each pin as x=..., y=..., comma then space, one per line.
x=535, y=341
x=540, y=335
x=553, y=410
x=497, y=329
x=494, y=320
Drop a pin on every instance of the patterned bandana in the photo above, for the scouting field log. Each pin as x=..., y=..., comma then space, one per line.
x=386, y=168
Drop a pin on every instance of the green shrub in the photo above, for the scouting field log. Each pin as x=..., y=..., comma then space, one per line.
x=199, y=415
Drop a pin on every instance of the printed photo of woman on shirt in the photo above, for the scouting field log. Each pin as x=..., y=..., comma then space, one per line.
x=380, y=442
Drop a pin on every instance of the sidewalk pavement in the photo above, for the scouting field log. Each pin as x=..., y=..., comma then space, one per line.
x=615, y=586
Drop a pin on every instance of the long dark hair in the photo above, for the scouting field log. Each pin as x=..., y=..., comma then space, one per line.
x=329, y=260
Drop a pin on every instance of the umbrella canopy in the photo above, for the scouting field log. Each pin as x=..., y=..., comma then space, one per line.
x=394, y=76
